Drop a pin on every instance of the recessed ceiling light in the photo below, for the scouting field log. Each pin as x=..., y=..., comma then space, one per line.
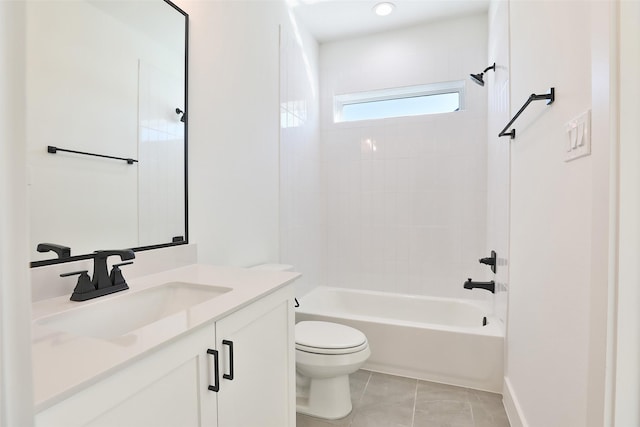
x=383, y=9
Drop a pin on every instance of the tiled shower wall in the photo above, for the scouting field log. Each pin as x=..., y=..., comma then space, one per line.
x=303, y=233
x=406, y=197
x=498, y=171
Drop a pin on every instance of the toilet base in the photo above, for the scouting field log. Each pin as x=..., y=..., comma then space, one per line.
x=328, y=398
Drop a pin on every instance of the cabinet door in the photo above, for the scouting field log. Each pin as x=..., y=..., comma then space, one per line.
x=167, y=388
x=260, y=389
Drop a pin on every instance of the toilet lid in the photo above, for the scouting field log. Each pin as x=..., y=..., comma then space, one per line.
x=318, y=337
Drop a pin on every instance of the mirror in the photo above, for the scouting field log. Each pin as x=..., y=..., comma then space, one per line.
x=106, y=125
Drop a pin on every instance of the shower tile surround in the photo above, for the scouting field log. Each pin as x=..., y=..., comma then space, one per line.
x=498, y=152
x=303, y=229
x=406, y=197
x=381, y=400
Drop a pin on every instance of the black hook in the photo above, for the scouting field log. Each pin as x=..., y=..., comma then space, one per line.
x=179, y=111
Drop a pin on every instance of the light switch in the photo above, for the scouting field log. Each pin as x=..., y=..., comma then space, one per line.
x=578, y=137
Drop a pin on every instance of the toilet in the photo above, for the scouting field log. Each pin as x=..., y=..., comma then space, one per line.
x=326, y=353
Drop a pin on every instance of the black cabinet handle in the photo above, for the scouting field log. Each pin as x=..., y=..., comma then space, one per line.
x=229, y=376
x=216, y=372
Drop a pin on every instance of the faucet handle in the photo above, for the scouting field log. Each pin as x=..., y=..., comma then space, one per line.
x=490, y=261
x=116, y=277
x=73, y=273
x=83, y=285
x=123, y=263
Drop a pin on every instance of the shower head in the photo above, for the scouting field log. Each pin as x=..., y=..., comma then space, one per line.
x=477, y=78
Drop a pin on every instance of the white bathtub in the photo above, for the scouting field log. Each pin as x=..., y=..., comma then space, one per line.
x=434, y=339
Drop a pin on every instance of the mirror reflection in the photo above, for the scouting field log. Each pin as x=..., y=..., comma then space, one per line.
x=106, y=78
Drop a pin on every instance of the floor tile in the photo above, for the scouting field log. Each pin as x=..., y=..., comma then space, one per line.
x=430, y=392
x=381, y=400
x=488, y=410
x=444, y=413
x=358, y=381
x=388, y=401
x=308, y=421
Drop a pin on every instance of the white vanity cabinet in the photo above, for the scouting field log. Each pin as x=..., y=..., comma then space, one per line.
x=262, y=391
x=170, y=386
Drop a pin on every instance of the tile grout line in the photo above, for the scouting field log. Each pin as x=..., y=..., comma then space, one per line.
x=364, y=390
x=415, y=401
x=473, y=417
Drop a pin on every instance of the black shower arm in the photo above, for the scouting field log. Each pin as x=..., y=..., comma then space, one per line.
x=491, y=67
x=550, y=96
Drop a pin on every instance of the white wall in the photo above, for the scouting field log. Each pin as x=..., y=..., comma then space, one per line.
x=303, y=236
x=498, y=173
x=409, y=216
x=627, y=390
x=552, y=220
x=604, y=128
x=234, y=130
x=16, y=394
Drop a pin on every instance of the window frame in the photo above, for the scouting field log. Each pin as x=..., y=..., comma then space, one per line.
x=405, y=92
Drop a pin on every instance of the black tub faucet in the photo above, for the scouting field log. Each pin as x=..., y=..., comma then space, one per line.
x=489, y=286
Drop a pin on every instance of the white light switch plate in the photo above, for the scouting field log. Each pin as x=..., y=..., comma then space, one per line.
x=578, y=137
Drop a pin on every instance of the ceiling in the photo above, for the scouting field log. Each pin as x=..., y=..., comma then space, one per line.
x=330, y=20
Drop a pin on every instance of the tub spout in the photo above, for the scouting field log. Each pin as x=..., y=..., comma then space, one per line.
x=489, y=286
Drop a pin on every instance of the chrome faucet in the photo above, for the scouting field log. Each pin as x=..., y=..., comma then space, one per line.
x=102, y=283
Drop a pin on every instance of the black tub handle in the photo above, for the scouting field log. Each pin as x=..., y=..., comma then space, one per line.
x=229, y=376
x=216, y=371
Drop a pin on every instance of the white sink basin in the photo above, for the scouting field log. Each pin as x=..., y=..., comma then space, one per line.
x=130, y=311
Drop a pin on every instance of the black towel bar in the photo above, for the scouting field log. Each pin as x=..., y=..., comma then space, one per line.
x=550, y=96
x=53, y=150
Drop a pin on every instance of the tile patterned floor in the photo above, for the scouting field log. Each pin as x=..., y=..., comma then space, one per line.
x=381, y=400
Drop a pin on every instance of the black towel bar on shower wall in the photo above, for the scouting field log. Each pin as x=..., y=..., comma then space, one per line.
x=53, y=150
x=549, y=96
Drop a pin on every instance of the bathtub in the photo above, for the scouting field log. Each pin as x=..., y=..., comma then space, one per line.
x=429, y=338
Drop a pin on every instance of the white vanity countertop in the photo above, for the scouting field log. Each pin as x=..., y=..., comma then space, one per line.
x=63, y=363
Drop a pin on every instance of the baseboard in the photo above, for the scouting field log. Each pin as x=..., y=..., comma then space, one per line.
x=512, y=406
x=383, y=368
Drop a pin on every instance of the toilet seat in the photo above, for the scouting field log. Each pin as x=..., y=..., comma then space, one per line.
x=328, y=338
x=319, y=350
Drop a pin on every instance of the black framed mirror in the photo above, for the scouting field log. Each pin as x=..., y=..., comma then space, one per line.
x=106, y=126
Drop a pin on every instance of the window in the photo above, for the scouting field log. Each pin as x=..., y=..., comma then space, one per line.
x=399, y=102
